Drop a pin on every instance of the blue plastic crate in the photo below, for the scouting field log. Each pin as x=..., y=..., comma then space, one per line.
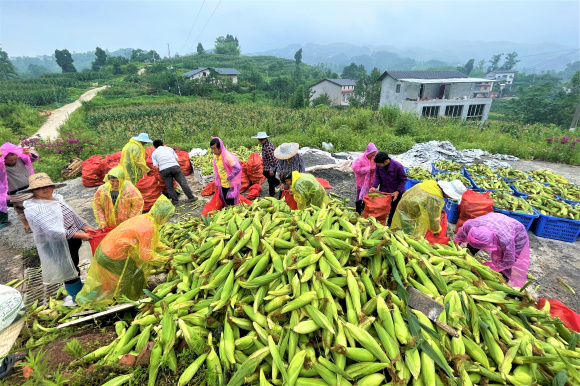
x=517, y=193
x=410, y=183
x=434, y=170
x=556, y=228
x=524, y=218
x=452, y=210
x=467, y=186
x=573, y=203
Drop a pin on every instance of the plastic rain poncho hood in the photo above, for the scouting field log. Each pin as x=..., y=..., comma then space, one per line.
x=364, y=171
x=6, y=149
x=133, y=161
x=505, y=239
x=50, y=239
x=123, y=260
x=234, y=171
x=129, y=201
x=307, y=190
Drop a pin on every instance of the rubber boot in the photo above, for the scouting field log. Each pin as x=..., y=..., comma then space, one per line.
x=74, y=288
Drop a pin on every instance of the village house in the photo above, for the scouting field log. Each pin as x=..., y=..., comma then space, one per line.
x=339, y=90
x=483, y=90
x=502, y=77
x=201, y=72
x=446, y=93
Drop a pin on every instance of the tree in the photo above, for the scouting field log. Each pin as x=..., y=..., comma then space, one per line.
x=7, y=70
x=510, y=61
x=131, y=69
x=494, y=62
x=301, y=97
x=352, y=71
x=64, y=60
x=100, y=59
x=480, y=65
x=137, y=55
x=322, y=99
x=298, y=57
x=153, y=56
x=227, y=45
x=34, y=70
x=367, y=92
x=467, y=68
x=200, y=49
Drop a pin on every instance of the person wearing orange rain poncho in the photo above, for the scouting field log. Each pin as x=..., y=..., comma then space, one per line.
x=117, y=200
x=420, y=207
x=133, y=158
x=124, y=258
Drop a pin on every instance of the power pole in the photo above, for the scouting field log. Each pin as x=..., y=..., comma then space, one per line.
x=575, y=119
x=168, y=51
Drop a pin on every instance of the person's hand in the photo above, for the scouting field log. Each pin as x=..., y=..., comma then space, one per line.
x=87, y=228
x=395, y=195
x=271, y=173
x=26, y=150
x=1, y=153
x=103, y=227
x=85, y=236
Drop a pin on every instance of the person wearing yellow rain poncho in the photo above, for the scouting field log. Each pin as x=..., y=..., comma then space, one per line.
x=420, y=208
x=307, y=191
x=133, y=158
x=124, y=258
x=117, y=200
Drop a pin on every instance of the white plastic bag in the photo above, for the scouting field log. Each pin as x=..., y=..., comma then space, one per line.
x=50, y=240
x=197, y=151
x=10, y=305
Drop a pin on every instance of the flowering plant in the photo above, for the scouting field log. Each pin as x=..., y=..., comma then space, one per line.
x=563, y=141
x=65, y=146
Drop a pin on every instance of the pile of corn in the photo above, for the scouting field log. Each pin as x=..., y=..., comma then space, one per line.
x=419, y=174
x=491, y=183
x=480, y=170
x=511, y=173
x=454, y=176
x=547, y=177
x=317, y=297
x=451, y=166
x=567, y=191
x=552, y=207
x=505, y=201
x=204, y=163
x=533, y=187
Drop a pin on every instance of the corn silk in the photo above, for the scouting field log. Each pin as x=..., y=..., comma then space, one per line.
x=420, y=210
x=307, y=190
x=364, y=172
x=6, y=149
x=505, y=239
x=133, y=161
x=124, y=259
x=129, y=201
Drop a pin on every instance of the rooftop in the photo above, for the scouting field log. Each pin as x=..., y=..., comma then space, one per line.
x=340, y=82
x=427, y=74
x=220, y=71
x=447, y=80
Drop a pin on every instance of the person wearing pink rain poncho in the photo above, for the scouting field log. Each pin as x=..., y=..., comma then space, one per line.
x=364, y=172
x=505, y=239
x=227, y=172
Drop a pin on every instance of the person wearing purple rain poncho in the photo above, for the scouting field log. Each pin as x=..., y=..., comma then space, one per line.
x=227, y=172
x=505, y=239
x=390, y=178
x=364, y=173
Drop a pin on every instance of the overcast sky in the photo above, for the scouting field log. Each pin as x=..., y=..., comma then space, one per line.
x=39, y=27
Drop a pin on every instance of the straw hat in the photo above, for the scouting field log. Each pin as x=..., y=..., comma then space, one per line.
x=454, y=189
x=261, y=135
x=9, y=335
x=40, y=180
x=286, y=150
x=143, y=137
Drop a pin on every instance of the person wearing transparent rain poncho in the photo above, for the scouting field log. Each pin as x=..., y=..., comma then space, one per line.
x=133, y=158
x=505, y=239
x=124, y=258
x=117, y=200
x=307, y=190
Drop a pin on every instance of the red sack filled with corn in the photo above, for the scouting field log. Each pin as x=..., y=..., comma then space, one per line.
x=473, y=205
x=92, y=174
x=184, y=162
x=255, y=168
x=150, y=189
x=377, y=205
x=245, y=180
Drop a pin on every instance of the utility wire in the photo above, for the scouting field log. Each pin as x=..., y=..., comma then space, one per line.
x=191, y=30
x=547, y=53
x=545, y=62
x=210, y=16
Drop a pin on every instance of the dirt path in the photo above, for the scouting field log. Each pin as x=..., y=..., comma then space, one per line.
x=59, y=116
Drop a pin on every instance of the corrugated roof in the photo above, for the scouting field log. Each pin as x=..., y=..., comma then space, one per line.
x=227, y=71
x=427, y=74
x=447, y=80
x=339, y=82
x=503, y=72
x=193, y=72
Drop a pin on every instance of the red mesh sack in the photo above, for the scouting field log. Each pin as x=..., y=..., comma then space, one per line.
x=245, y=180
x=214, y=204
x=149, y=151
x=442, y=238
x=209, y=189
x=325, y=184
x=110, y=161
x=150, y=189
x=184, y=162
x=91, y=171
x=377, y=205
x=473, y=205
x=254, y=191
x=255, y=169
x=557, y=309
x=289, y=200
x=98, y=236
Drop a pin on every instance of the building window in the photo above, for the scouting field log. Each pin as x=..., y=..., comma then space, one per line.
x=430, y=111
x=454, y=111
x=398, y=89
x=475, y=112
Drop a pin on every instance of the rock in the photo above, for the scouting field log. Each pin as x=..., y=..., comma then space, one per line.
x=128, y=360
x=144, y=355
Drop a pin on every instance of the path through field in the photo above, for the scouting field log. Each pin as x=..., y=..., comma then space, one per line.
x=59, y=116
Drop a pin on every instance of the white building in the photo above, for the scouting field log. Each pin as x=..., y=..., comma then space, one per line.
x=504, y=77
x=339, y=90
x=447, y=93
x=200, y=72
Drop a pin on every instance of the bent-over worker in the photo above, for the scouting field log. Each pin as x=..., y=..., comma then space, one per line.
x=117, y=200
x=506, y=240
x=307, y=190
x=124, y=258
x=165, y=161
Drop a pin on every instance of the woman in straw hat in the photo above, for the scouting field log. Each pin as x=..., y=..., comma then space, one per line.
x=58, y=234
x=288, y=158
